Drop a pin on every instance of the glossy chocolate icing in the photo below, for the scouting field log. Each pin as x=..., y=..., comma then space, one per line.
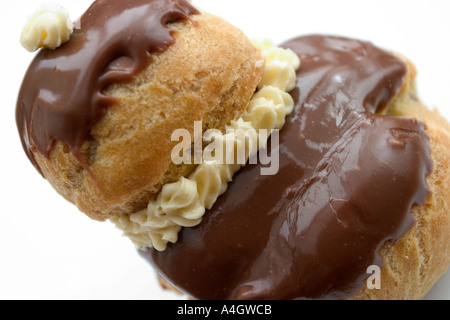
x=62, y=97
x=347, y=182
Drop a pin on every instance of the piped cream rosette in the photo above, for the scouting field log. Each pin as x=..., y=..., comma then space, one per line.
x=49, y=27
x=184, y=203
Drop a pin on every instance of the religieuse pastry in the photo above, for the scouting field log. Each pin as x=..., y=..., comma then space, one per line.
x=241, y=170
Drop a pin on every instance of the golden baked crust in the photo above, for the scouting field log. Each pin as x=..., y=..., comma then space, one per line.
x=416, y=262
x=209, y=74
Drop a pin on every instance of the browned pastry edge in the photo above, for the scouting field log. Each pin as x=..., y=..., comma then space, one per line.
x=209, y=74
x=418, y=260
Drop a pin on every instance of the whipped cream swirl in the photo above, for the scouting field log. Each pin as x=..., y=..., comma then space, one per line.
x=49, y=27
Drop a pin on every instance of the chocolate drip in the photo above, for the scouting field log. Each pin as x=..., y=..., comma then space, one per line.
x=347, y=182
x=62, y=93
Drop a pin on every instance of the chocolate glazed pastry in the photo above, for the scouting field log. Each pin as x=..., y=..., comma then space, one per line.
x=96, y=115
x=349, y=177
x=104, y=54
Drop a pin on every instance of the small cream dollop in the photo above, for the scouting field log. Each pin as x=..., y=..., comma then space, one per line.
x=281, y=66
x=49, y=27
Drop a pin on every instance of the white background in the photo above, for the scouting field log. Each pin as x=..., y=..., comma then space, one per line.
x=49, y=250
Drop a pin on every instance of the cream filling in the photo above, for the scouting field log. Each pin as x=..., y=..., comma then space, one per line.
x=184, y=203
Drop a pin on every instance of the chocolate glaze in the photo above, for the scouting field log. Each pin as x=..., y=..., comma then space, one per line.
x=62, y=93
x=347, y=182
